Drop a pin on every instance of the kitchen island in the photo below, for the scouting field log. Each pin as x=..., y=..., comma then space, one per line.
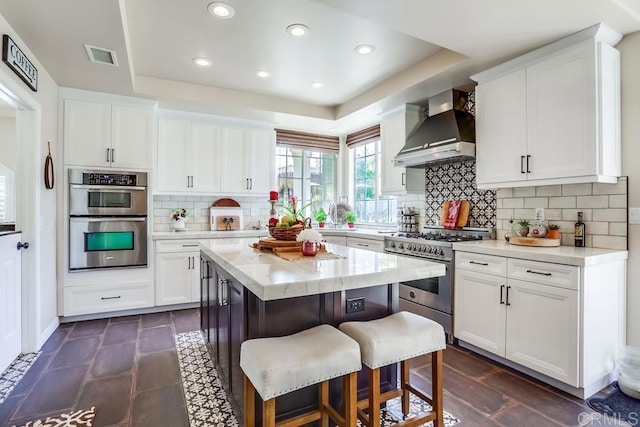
x=248, y=294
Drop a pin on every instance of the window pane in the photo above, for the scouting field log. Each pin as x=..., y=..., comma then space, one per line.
x=368, y=206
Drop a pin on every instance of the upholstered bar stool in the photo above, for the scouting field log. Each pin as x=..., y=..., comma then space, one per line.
x=399, y=338
x=277, y=366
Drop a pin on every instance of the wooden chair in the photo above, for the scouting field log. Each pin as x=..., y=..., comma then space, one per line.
x=277, y=366
x=399, y=338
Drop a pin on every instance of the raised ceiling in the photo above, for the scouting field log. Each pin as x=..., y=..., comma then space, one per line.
x=422, y=48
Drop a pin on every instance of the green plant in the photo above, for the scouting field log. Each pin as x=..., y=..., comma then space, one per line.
x=554, y=227
x=293, y=211
x=523, y=223
x=320, y=215
x=350, y=217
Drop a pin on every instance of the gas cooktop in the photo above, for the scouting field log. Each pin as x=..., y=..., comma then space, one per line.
x=434, y=242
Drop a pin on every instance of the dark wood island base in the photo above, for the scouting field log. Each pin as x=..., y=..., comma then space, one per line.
x=231, y=314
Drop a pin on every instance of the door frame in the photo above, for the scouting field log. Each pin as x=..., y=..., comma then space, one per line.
x=28, y=209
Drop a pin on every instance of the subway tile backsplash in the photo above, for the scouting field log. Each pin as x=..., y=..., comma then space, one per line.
x=604, y=208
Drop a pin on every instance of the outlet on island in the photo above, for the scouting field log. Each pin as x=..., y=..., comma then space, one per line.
x=355, y=304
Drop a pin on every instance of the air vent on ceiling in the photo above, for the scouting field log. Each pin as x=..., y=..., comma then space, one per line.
x=101, y=55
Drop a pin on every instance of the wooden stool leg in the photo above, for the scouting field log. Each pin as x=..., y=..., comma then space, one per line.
x=436, y=387
x=404, y=380
x=249, y=403
x=374, y=397
x=324, y=402
x=350, y=397
x=269, y=413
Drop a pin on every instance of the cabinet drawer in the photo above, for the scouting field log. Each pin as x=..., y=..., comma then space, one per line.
x=102, y=298
x=368, y=244
x=186, y=245
x=489, y=264
x=563, y=276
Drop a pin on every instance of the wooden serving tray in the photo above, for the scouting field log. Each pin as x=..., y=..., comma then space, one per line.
x=271, y=244
x=534, y=241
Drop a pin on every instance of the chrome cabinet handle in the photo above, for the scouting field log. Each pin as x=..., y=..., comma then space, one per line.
x=508, y=303
x=403, y=178
x=108, y=155
x=501, y=297
x=105, y=298
x=21, y=245
x=250, y=183
x=190, y=246
x=538, y=272
x=363, y=245
x=528, y=158
x=522, y=164
x=113, y=155
x=479, y=263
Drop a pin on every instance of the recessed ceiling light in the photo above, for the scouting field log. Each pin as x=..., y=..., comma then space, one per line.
x=203, y=62
x=297, y=30
x=263, y=74
x=221, y=10
x=316, y=85
x=365, y=49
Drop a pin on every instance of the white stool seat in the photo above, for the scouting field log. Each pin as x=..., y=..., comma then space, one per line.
x=276, y=366
x=395, y=338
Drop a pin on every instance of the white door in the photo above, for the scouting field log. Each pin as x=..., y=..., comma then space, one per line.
x=174, y=283
x=501, y=145
x=173, y=154
x=205, y=157
x=561, y=114
x=87, y=133
x=131, y=137
x=542, y=329
x=10, y=299
x=233, y=161
x=480, y=314
x=262, y=161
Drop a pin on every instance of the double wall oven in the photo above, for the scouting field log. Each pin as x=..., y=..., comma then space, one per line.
x=433, y=297
x=107, y=219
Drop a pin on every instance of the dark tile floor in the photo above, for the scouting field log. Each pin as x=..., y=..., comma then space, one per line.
x=127, y=367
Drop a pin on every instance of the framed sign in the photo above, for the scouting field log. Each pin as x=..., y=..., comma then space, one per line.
x=19, y=63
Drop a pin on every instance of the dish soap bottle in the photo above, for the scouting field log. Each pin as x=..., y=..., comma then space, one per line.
x=579, y=232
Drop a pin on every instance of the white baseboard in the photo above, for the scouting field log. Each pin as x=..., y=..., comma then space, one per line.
x=48, y=331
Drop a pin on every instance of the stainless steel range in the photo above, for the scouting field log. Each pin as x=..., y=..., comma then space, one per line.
x=432, y=298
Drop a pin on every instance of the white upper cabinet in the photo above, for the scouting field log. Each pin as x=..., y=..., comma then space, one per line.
x=248, y=160
x=551, y=116
x=187, y=156
x=395, y=126
x=100, y=134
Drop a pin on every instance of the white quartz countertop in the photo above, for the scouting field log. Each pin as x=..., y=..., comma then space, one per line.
x=364, y=233
x=270, y=277
x=568, y=255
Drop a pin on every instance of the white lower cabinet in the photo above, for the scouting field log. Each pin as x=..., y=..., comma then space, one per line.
x=91, y=299
x=368, y=244
x=536, y=314
x=177, y=272
x=336, y=240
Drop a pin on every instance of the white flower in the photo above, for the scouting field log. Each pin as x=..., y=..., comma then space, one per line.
x=309, y=235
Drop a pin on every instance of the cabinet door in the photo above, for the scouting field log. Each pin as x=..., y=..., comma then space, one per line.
x=10, y=300
x=234, y=176
x=174, y=278
x=204, y=299
x=131, y=137
x=480, y=314
x=87, y=133
x=561, y=114
x=542, y=329
x=501, y=130
x=237, y=335
x=393, y=134
x=173, y=153
x=205, y=158
x=262, y=155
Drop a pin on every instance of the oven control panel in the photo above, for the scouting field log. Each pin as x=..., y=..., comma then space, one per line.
x=423, y=250
x=97, y=178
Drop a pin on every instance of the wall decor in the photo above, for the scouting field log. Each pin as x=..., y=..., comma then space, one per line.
x=13, y=56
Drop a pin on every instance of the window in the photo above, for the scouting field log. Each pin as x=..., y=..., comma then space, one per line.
x=370, y=207
x=309, y=175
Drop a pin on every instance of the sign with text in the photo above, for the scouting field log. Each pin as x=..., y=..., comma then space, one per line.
x=19, y=63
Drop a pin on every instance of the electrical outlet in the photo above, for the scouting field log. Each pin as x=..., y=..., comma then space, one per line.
x=355, y=304
x=540, y=214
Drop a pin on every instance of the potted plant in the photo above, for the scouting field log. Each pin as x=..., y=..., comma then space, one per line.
x=179, y=219
x=321, y=216
x=524, y=228
x=350, y=217
x=554, y=231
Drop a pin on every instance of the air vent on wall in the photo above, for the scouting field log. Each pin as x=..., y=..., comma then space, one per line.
x=101, y=55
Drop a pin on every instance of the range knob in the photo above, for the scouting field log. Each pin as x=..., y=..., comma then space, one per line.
x=439, y=251
x=399, y=245
x=391, y=245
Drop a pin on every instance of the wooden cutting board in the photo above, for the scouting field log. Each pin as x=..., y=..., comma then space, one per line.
x=463, y=215
x=226, y=223
x=534, y=241
x=225, y=203
x=271, y=244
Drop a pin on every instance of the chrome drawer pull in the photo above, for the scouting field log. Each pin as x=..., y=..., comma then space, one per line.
x=103, y=298
x=537, y=272
x=479, y=263
x=190, y=246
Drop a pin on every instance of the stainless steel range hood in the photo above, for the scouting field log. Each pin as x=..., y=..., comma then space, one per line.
x=448, y=135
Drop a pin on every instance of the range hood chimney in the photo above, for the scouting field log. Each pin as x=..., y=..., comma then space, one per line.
x=448, y=135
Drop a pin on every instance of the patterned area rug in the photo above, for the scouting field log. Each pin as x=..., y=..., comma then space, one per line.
x=207, y=403
x=14, y=373
x=81, y=418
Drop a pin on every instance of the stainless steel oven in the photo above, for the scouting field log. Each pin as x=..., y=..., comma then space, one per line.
x=108, y=219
